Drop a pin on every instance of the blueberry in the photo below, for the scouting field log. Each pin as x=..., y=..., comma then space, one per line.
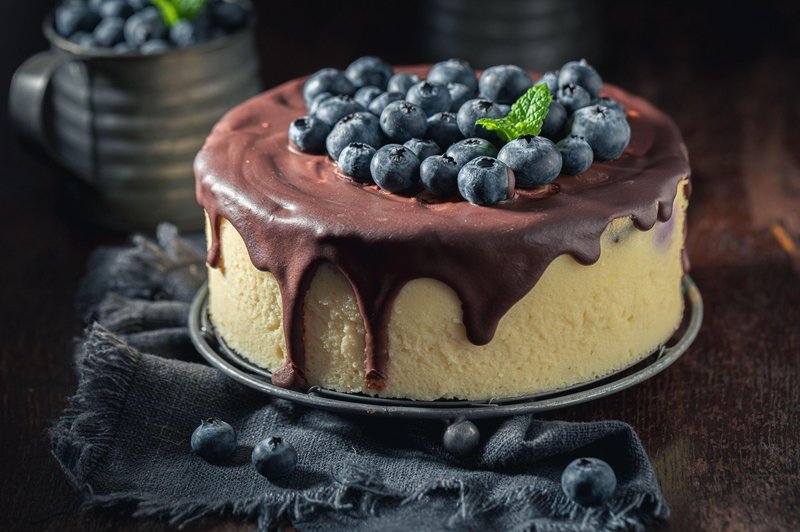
x=186, y=33
x=573, y=97
x=123, y=48
x=504, y=83
x=109, y=32
x=356, y=127
x=439, y=174
x=402, y=120
x=588, y=481
x=333, y=109
x=228, y=15
x=443, y=129
x=471, y=111
x=154, y=46
x=274, y=458
x=326, y=80
x=551, y=80
x=395, y=168
x=72, y=18
x=366, y=94
x=94, y=5
x=83, y=38
x=465, y=150
x=377, y=105
x=504, y=108
x=401, y=82
x=423, y=148
x=308, y=133
x=115, y=8
x=369, y=70
x=454, y=71
x=459, y=94
x=354, y=161
x=462, y=438
x=555, y=121
x=535, y=160
x=485, y=181
x=213, y=440
x=144, y=26
x=430, y=97
x=576, y=155
x=605, y=129
x=608, y=102
x=138, y=5
x=582, y=74
x=313, y=105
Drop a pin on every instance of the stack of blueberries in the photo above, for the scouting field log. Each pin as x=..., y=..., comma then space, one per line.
x=128, y=26
x=397, y=130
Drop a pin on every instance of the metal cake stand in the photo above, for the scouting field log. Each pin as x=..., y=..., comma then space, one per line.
x=461, y=436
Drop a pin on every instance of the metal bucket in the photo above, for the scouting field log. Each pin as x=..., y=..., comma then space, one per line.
x=129, y=125
x=534, y=34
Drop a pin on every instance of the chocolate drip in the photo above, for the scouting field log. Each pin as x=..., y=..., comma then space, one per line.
x=295, y=211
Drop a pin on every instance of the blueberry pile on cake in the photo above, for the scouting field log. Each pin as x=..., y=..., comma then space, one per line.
x=436, y=232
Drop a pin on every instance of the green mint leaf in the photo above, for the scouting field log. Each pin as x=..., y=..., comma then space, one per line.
x=526, y=116
x=173, y=11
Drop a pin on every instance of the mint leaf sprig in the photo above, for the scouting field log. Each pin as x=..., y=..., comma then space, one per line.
x=173, y=11
x=526, y=116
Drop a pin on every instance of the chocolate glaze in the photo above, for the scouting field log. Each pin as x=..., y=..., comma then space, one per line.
x=294, y=211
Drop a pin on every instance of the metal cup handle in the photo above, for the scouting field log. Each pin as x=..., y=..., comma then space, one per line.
x=29, y=88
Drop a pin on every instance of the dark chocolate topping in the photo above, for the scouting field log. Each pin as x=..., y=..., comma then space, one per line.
x=294, y=211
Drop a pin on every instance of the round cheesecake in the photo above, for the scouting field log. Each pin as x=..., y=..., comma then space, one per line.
x=326, y=281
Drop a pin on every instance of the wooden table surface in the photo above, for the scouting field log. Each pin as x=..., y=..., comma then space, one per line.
x=722, y=425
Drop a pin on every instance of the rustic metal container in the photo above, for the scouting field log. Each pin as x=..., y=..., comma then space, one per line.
x=129, y=125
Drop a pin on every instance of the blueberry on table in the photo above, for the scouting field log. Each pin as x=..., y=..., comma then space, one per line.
x=576, y=155
x=109, y=32
x=333, y=109
x=443, y=129
x=72, y=18
x=605, y=129
x=588, y=481
x=471, y=111
x=146, y=25
x=485, y=181
x=356, y=127
x=274, y=458
x=582, y=74
x=354, y=161
x=555, y=122
x=401, y=82
x=439, y=174
x=465, y=150
x=402, y=120
x=454, y=71
x=573, y=97
x=423, y=148
x=459, y=94
x=326, y=80
x=115, y=8
x=395, y=168
x=432, y=98
x=213, y=440
x=369, y=70
x=550, y=79
x=228, y=15
x=461, y=439
x=308, y=133
x=379, y=103
x=154, y=46
x=504, y=83
x=535, y=160
x=366, y=94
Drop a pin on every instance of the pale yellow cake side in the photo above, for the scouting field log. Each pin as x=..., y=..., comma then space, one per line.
x=578, y=323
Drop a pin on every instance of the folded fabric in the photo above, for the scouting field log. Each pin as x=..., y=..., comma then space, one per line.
x=124, y=440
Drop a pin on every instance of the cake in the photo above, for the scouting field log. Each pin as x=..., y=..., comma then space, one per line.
x=330, y=282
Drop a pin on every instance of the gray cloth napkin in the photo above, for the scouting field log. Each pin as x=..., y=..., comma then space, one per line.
x=124, y=440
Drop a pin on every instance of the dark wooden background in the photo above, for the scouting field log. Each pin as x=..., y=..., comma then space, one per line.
x=722, y=425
